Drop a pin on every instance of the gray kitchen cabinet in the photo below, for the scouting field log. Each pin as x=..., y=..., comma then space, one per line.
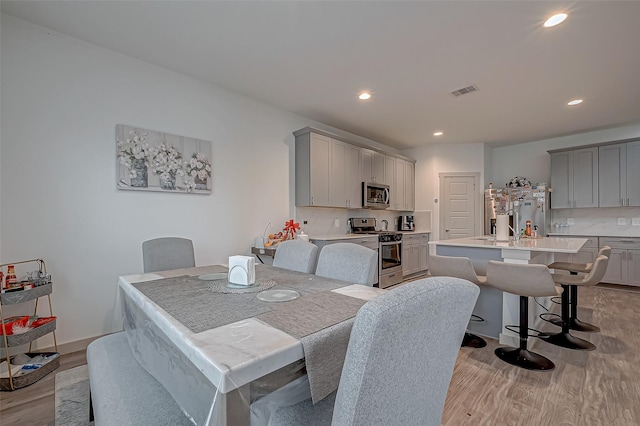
x=574, y=178
x=404, y=186
x=619, y=174
x=415, y=253
x=369, y=241
x=624, y=262
x=587, y=254
x=373, y=166
x=313, y=170
x=345, y=188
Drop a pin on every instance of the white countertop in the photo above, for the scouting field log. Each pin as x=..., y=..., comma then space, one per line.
x=355, y=236
x=545, y=244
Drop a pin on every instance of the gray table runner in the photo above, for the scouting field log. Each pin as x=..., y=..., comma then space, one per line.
x=190, y=301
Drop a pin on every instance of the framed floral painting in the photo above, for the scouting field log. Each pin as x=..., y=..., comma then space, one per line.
x=148, y=160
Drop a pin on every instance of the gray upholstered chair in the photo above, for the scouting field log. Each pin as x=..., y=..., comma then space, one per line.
x=296, y=255
x=460, y=267
x=525, y=281
x=564, y=338
x=575, y=269
x=348, y=262
x=399, y=361
x=122, y=392
x=163, y=254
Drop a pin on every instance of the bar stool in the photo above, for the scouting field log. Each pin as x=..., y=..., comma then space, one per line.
x=459, y=267
x=525, y=281
x=574, y=269
x=564, y=338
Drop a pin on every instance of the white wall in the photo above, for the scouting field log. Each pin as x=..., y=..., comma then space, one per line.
x=434, y=159
x=62, y=99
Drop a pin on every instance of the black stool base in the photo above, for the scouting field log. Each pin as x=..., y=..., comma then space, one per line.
x=473, y=341
x=576, y=325
x=524, y=359
x=568, y=341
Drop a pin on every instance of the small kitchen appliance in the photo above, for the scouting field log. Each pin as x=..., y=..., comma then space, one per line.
x=406, y=223
x=389, y=250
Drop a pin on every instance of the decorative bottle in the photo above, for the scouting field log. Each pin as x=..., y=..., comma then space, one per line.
x=527, y=231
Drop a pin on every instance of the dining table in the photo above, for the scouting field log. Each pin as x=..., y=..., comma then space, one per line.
x=217, y=347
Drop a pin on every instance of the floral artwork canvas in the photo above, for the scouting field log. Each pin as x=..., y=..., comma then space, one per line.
x=148, y=160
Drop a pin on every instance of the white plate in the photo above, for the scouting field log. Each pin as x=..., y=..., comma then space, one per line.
x=214, y=276
x=277, y=295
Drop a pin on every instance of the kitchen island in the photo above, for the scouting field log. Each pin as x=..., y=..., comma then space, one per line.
x=496, y=307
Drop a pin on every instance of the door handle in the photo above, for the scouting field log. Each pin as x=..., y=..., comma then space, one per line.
x=446, y=230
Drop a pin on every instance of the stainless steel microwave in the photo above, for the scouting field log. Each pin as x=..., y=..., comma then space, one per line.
x=375, y=195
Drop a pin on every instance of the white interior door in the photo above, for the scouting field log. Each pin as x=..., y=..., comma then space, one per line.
x=458, y=206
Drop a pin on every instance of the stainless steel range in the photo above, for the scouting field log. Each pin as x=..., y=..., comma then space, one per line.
x=389, y=253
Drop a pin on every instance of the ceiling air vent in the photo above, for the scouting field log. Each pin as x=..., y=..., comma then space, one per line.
x=464, y=90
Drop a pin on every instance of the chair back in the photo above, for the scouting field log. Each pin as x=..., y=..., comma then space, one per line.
x=597, y=272
x=449, y=266
x=521, y=279
x=296, y=255
x=348, y=262
x=605, y=251
x=401, y=354
x=163, y=254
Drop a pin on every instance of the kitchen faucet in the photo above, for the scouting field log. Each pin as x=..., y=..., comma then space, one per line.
x=385, y=224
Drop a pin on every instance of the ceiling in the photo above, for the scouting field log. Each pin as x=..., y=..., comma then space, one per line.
x=313, y=58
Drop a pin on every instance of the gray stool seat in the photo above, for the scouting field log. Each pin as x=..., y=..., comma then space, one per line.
x=122, y=392
x=575, y=269
x=296, y=255
x=564, y=338
x=348, y=262
x=525, y=281
x=459, y=267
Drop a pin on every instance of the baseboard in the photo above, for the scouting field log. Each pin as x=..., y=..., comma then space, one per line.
x=67, y=348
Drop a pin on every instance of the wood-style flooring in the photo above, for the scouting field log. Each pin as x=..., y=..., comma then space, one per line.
x=34, y=405
x=600, y=387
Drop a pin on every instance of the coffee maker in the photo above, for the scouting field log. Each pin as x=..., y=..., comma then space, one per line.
x=405, y=223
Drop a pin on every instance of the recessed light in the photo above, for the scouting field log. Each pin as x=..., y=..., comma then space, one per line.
x=364, y=96
x=438, y=134
x=575, y=102
x=555, y=20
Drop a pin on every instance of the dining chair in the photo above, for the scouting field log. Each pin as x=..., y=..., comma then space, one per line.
x=163, y=254
x=575, y=269
x=348, y=262
x=400, y=358
x=460, y=267
x=526, y=281
x=564, y=338
x=296, y=255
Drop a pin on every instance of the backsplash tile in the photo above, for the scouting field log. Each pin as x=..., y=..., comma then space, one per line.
x=614, y=221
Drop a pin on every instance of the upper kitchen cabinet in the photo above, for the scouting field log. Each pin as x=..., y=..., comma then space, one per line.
x=619, y=174
x=403, y=190
x=574, y=178
x=313, y=160
x=373, y=166
x=330, y=172
x=344, y=177
x=327, y=172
